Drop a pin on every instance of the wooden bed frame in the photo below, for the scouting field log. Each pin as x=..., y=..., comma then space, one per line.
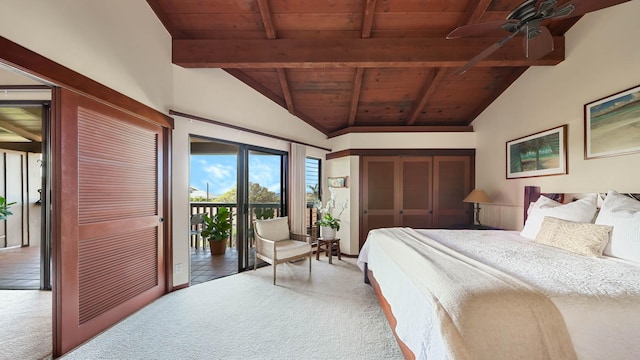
x=531, y=194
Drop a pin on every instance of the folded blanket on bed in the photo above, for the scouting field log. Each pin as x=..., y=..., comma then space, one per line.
x=481, y=312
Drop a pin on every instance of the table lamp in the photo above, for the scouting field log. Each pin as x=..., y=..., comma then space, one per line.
x=477, y=196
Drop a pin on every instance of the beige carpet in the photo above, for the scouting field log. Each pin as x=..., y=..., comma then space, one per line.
x=25, y=324
x=330, y=314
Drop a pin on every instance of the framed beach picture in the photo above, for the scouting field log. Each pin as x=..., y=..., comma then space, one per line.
x=612, y=125
x=338, y=182
x=539, y=154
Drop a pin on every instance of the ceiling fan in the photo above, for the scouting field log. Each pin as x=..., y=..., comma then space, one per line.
x=527, y=19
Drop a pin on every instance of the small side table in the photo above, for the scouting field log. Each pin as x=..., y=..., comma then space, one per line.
x=328, y=248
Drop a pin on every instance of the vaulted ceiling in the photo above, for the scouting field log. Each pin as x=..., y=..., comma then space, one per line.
x=361, y=65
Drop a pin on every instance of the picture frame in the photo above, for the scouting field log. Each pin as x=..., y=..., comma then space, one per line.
x=540, y=154
x=337, y=182
x=612, y=125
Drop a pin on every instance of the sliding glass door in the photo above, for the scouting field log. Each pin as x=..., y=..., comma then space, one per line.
x=265, y=193
x=248, y=180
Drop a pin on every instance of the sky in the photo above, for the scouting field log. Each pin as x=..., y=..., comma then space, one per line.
x=220, y=172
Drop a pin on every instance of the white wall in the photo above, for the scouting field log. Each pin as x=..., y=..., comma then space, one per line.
x=216, y=95
x=602, y=58
x=119, y=43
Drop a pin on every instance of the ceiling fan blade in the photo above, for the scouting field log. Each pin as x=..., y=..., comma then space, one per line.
x=486, y=52
x=539, y=45
x=481, y=29
x=586, y=6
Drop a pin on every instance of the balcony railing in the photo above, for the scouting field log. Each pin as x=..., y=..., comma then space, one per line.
x=211, y=208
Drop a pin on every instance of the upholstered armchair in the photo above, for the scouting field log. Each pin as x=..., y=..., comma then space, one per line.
x=275, y=244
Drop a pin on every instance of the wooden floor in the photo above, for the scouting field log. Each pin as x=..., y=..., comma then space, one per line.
x=20, y=268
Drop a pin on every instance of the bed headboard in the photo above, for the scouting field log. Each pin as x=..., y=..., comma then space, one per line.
x=532, y=193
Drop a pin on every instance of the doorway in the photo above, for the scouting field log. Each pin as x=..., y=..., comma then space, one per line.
x=25, y=261
x=246, y=179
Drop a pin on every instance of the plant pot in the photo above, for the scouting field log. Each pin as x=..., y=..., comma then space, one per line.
x=218, y=247
x=327, y=232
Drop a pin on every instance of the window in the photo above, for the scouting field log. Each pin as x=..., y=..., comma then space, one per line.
x=313, y=191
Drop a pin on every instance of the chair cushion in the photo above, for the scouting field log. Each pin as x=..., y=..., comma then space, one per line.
x=288, y=248
x=273, y=229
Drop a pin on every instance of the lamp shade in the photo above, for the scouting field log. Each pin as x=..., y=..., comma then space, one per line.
x=477, y=196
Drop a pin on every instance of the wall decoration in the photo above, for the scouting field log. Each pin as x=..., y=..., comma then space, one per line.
x=338, y=182
x=612, y=125
x=539, y=154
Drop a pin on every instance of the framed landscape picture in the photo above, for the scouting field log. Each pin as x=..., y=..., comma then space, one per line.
x=612, y=125
x=539, y=154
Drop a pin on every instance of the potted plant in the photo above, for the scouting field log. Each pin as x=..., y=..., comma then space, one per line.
x=217, y=230
x=329, y=226
x=4, y=208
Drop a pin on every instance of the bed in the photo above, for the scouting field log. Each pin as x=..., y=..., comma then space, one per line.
x=491, y=294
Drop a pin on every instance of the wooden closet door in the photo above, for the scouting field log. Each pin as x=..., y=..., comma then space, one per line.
x=416, y=201
x=452, y=183
x=380, y=194
x=106, y=205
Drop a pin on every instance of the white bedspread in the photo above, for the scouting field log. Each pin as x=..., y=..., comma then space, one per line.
x=598, y=298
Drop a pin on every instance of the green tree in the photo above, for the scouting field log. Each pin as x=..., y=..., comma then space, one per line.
x=257, y=195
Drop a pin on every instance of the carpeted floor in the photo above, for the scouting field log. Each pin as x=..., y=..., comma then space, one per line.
x=330, y=314
x=22, y=310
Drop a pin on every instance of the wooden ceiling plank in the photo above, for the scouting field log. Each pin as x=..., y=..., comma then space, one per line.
x=503, y=86
x=475, y=13
x=355, y=96
x=430, y=86
x=20, y=131
x=340, y=53
x=164, y=19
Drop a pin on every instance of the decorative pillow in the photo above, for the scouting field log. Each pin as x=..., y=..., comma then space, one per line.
x=273, y=229
x=623, y=213
x=581, y=238
x=581, y=210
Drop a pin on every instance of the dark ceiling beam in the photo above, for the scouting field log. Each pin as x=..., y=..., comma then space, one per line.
x=355, y=96
x=394, y=129
x=430, y=86
x=33, y=147
x=282, y=77
x=346, y=53
x=265, y=15
x=251, y=82
x=367, y=19
x=367, y=25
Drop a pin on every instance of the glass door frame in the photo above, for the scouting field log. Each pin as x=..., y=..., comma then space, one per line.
x=245, y=260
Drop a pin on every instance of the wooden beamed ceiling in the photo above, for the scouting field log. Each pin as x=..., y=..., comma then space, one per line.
x=358, y=65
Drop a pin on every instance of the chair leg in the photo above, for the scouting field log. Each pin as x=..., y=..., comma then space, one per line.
x=274, y=274
x=310, y=257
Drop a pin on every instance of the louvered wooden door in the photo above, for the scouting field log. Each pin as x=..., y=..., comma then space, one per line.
x=380, y=193
x=107, y=206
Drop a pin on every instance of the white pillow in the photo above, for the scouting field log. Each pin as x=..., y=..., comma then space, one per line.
x=623, y=213
x=581, y=210
x=581, y=238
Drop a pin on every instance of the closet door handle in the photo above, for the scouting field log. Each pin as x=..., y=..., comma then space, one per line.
x=365, y=212
x=400, y=212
